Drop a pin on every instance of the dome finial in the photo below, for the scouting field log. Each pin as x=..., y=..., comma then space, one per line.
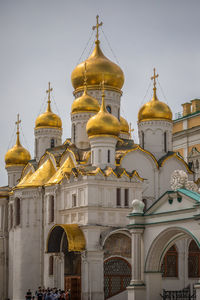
x=154, y=84
x=49, y=97
x=97, y=28
x=85, y=78
x=17, y=123
x=103, y=107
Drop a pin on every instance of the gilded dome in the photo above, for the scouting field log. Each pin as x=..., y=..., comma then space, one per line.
x=48, y=119
x=103, y=123
x=154, y=109
x=98, y=67
x=17, y=155
x=85, y=103
x=124, y=127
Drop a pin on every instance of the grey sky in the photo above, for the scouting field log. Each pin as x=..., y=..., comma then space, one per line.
x=42, y=40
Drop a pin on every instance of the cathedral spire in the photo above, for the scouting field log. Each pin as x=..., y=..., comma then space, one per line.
x=154, y=84
x=49, y=97
x=97, y=28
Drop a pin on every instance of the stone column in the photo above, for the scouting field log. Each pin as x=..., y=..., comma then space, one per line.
x=136, y=236
x=137, y=289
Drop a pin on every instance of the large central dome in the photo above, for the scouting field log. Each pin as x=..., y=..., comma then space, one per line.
x=98, y=67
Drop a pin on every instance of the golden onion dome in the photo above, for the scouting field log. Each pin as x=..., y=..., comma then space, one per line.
x=154, y=109
x=85, y=103
x=17, y=155
x=48, y=119
x=103, y=123
x=124, y=127
x=98, y=67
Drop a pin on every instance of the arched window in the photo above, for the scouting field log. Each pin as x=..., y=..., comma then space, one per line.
x=118, y=197
x=126, y=198
x=193, y=260
x=118, y=114
x=51, y=265
x=117, y=276
x=74, y=133
x=108, y=156
x=17, y=212
x=52, y=143
x=165, y=141
x=170, y=263
x=51, y=209
x=142, y=139
x=108, y=107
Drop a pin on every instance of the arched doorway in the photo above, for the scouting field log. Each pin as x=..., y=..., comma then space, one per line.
x=69, y=240
x=162, y=251
x=117, y=268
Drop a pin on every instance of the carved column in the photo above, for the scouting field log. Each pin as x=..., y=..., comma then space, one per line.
x=136, y=236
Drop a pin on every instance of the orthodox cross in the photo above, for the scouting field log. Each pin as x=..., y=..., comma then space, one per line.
x=130, y=130
x=97, y=27
x=17, y=123
x=154, y=78
x=49, y=92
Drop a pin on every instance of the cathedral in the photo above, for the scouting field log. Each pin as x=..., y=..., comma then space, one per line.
x=99, y=214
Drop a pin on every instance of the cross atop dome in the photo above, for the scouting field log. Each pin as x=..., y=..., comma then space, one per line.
x=17, y=123
x=49, y=94
x=97, y=28
x=154, y=83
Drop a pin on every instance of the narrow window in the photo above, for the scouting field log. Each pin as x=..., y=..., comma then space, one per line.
x=92, y=157
x=73, y=133
x=108, y=156
x=197, y=164
x=118, y=197
x=52, y=143
x=17, y=211
x=142, y=139
x=11, y=216
x=108, y=107
x=99, y=158
x=193, y=260
x=118, y=114
x=165, y=141
x=51, y=265
x=170, y=263
x=126, y=202
x=51, y=209
x=73, y=200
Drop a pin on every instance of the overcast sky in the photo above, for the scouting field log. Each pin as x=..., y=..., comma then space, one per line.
x=42, y=40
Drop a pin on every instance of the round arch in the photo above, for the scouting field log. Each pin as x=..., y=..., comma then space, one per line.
x=162, y=243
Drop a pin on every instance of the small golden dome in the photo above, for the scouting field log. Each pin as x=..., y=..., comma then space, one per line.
x=18, y=155
x=98, y=66
x=103, y=123
x=154, y=109
x=124, y=127
x=85, y=103
x=48, y=118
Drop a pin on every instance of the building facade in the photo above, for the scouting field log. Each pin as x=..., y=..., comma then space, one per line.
x=85, y=214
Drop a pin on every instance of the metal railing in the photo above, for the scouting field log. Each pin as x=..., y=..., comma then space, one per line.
x=184, y=294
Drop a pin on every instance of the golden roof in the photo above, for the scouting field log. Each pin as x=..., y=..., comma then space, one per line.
x=154, y=109
x=48, y=118
x=40, y=176
x=17, y=155
x=25, y=178
x=75, y=236
x=64, y=169
x=103, y=123
x=98, y=65
x=124, y=127
x=85, y=103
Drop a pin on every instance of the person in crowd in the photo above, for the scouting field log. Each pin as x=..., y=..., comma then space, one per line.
x=28, y=295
